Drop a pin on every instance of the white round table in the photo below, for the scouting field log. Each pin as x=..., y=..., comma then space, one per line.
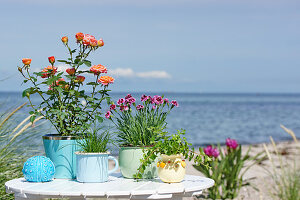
x=116, y=187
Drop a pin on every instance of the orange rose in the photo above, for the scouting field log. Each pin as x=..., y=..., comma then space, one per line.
x=65, y=39
x=79, y=36
x=97, y=69
x=26, y=61
x=51, y=59
x=50, y=70
x=93, y=42
x=100, y=42
x=80, y=79
x=105, y=80
x=70, y=71
x=60, y=81
x=86, y=41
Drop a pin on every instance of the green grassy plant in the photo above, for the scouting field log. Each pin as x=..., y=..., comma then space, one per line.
x=12, y=151
x=227, y=169
x=286, y=177
x=93, y=142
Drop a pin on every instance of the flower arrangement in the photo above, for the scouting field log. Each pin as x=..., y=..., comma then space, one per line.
x=140, y=124
x=175, y=144
x=226, y=169
x=65, y=103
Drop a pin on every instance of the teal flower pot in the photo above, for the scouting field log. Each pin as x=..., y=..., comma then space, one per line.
x=129, y=160
x=93, y=167
x=61, y=151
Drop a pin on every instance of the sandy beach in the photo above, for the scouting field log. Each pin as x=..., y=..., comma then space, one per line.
x=258, y=173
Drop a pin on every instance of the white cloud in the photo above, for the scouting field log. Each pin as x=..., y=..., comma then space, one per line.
x=128, y=72
x=121, y=72
x=154, y=74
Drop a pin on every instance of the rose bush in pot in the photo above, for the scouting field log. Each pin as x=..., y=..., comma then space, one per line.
x=64, y=101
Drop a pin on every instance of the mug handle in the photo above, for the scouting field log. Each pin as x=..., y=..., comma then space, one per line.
x=116, y=164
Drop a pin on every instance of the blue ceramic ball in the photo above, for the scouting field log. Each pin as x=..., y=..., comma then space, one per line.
x=38, y=169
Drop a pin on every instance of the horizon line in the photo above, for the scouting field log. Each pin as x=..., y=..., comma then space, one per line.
x=182, y=92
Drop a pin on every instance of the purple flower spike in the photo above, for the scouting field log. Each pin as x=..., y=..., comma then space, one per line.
x=231, y=143
x=175, y=103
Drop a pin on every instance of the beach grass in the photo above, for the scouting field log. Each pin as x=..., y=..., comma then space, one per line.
x=285, y=175
x=13, y=152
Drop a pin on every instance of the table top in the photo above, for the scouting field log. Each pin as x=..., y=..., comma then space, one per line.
x=117, y=186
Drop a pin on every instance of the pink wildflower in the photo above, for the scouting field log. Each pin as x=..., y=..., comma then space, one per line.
x=166, y=100
x=175, y=103
x=122, y=108
x=139, y=107
x=212, y=152
x=107, y=115
x=231, y=143
x=152, y=100
x=144, y=98
x=131, y=100
x=158, y=100
x=113, y=107
x=153, y=107
x=128, y=96
x=121, y=101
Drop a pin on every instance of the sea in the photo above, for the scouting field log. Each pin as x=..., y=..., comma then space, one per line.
x=208, y=118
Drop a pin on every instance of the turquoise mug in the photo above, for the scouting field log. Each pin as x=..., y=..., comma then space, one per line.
x=93, y=167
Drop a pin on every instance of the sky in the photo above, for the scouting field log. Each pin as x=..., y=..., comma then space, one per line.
x=162, y=45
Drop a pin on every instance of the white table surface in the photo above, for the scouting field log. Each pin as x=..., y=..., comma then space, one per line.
x=116, y=187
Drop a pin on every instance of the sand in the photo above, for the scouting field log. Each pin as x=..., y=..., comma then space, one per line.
x=258, y=174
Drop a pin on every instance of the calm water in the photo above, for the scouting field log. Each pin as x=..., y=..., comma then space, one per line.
x=211, y=118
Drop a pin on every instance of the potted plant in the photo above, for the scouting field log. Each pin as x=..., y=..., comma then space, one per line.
x=64, y=101
x=92, y=160
x=138, y=128
x=172, y=150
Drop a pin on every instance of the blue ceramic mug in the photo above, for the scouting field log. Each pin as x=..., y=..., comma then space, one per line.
x=93, y=167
